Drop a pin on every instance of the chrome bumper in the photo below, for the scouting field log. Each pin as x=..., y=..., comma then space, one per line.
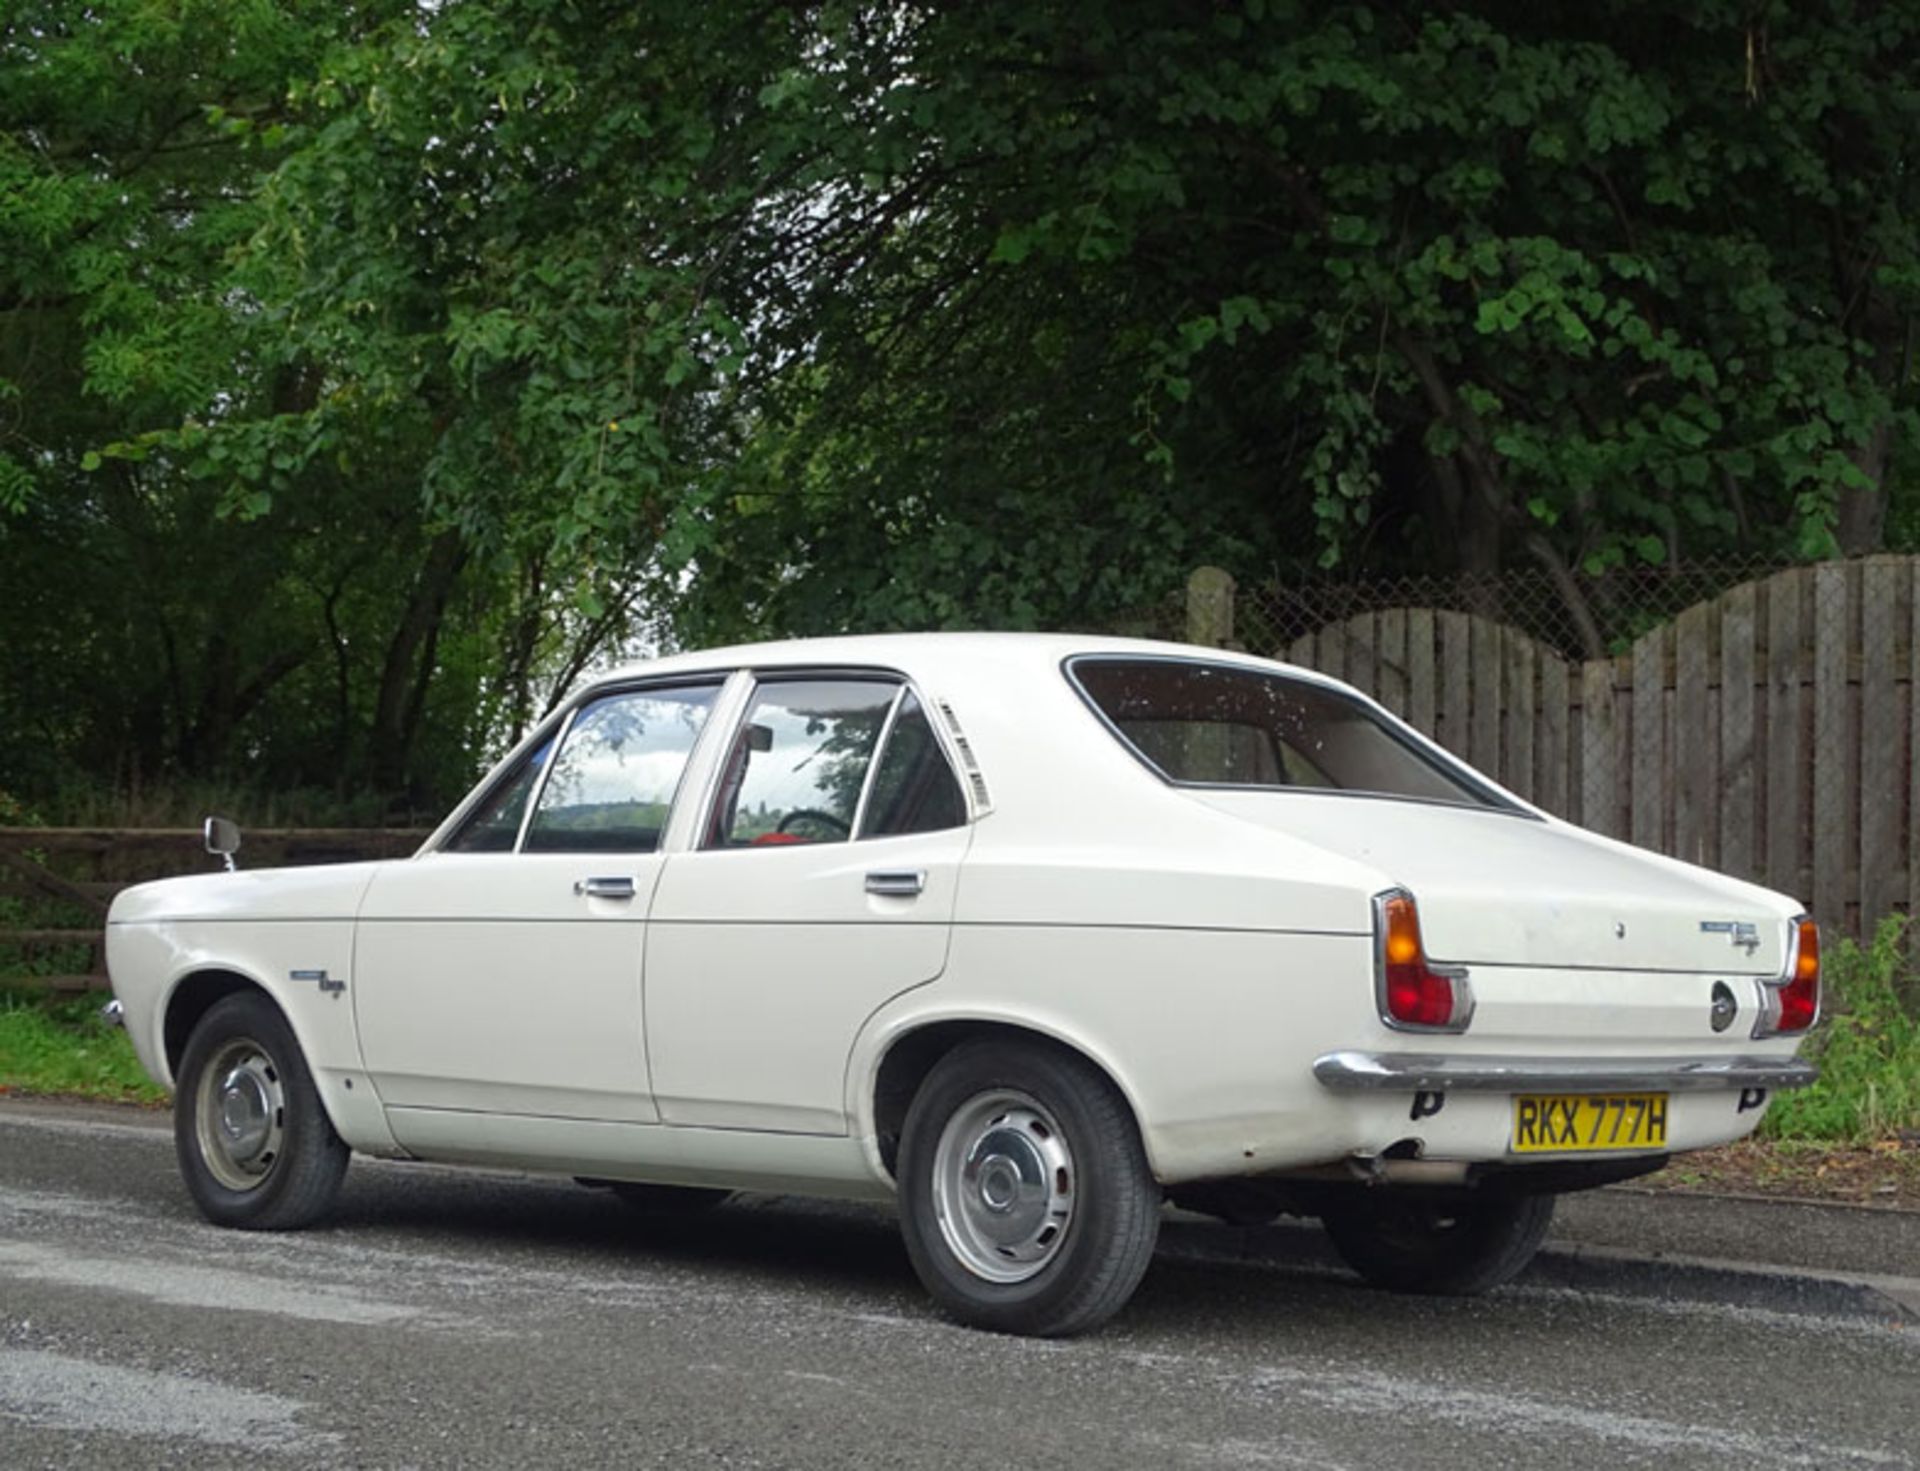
x=1412, y=1072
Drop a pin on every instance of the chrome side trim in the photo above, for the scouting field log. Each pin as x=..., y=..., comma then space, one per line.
x=858, y=829
x=1414, y=1072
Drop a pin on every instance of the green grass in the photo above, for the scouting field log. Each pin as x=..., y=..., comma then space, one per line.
x=59, y=1045
x=1868, y=1048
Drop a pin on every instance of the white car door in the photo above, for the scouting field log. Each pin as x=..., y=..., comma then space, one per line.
x=501, y=973
x=820, y=884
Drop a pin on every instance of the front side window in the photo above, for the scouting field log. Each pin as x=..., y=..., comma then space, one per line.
x=1222, y=725
x=494, y=826
x=614, y=780
x=799, y=763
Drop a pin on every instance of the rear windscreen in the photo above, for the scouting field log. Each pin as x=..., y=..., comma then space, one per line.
x=1222, y=725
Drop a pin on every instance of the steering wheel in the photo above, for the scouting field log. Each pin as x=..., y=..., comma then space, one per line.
x=814, y=814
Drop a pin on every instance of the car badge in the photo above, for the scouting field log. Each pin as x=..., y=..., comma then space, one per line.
x=1724, y=1009
x=328, y=985
x=1739, y=932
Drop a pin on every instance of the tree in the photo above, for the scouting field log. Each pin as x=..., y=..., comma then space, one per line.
x=187, y=595
x=846, y=314
x=785, y=319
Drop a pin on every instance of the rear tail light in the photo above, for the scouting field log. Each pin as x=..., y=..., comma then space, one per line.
x=1414, y=994
x=1791, y=1004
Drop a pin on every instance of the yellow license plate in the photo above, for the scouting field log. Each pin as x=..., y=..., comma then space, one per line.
x=1559, y=1123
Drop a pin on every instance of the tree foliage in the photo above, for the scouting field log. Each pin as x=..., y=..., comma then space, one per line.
x=509, y=318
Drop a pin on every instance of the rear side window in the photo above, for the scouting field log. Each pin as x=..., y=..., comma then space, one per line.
x=800, y=762
x=1222, y=725
x=914, y=790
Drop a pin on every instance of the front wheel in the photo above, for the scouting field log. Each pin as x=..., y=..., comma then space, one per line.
x=256, y=1148
x=1026, y=1201
x=1446, y=1248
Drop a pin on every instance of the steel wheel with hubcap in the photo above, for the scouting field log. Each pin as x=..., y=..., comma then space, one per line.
x=1003, y=1181
x=1026, y=1201
x=240, y=1114
x=256, y=1148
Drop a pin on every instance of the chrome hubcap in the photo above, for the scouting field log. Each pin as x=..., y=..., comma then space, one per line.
x=1003, y=1186
x=240, y=1114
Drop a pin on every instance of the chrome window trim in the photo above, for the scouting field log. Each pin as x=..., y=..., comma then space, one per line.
x=546, y=770
x=873, y=763
x=1489, y=799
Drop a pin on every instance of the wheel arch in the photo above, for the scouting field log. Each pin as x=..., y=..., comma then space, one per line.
x=198, y=990
x=192, y=996
x=356, y=1113
x=904, y=1057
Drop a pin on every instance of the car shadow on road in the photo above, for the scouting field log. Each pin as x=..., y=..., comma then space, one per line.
x=1224, y=1274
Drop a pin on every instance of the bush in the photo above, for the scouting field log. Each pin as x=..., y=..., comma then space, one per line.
x=1868, y=1048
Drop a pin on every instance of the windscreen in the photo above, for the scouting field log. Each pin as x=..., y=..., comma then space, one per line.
x=1222, y=725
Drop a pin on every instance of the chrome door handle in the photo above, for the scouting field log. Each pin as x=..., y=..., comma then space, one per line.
x=900, y=884
x=605, y=888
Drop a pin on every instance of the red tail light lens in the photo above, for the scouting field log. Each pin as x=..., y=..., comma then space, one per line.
x=1793, y=1004
x=1414, y=994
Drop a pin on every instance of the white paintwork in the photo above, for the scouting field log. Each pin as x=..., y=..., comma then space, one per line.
x=727, y=1026
x=484, y=982
x=762, y=964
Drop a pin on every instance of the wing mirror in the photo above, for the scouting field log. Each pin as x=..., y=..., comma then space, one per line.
x=223, y=837
x=759, y=737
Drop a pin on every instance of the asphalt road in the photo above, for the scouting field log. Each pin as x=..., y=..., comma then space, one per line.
x=450, y=1319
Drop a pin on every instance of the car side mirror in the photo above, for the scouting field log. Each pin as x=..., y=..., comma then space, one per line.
x=759, y=737
x=223, y=837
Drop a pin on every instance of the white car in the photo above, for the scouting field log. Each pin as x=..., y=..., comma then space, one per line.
x=1028, y=933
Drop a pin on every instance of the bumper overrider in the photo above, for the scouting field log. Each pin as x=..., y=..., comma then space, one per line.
x=1418, y=1072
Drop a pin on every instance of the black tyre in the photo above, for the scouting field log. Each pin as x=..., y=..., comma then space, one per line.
x=1446, y=1248
x=256, y=1148
x=667, y=1200
x=1025, y=1197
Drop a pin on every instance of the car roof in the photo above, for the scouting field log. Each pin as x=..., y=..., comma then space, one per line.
x=934, y=655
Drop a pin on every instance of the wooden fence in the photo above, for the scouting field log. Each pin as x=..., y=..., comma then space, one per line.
x=1768, y=733
x=63, y=880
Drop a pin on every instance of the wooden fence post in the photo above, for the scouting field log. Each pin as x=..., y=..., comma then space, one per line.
x=1210, y=607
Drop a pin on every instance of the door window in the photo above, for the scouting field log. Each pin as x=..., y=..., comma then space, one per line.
x=613, y=783
x=495, y=824
x=914, y=789
x=800, y=762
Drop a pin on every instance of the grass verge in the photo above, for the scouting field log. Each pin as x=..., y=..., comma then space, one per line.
x=59, y=1045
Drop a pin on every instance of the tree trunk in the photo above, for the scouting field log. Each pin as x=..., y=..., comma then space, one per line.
x=1860, y=520
x=405, y=671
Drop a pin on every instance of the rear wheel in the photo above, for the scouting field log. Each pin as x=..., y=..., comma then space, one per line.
x=1026, y=1201
x=1448, y=1248
x=256, y=1148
